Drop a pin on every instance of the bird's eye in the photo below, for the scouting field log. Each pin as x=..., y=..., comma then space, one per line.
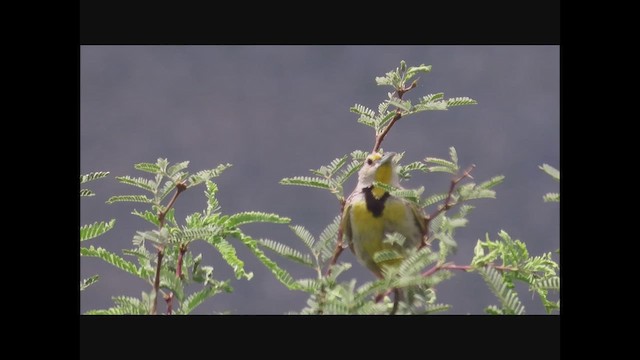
x=369, y=161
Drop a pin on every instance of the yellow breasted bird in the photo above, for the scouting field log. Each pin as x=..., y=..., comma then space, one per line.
x=370, y=213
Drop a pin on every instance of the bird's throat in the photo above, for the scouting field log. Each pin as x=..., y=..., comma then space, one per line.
x=375, y=204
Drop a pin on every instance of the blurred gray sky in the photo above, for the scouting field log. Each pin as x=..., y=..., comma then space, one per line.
x=277, y=111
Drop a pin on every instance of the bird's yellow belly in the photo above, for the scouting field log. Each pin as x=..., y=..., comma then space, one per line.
x=370, y=231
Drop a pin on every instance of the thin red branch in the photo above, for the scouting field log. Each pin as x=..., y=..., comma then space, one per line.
x=169, y=300
x=156, y=282
x=380, y=137
x=449, y=266
x=448, y=203
x=180, y=187
x=183, y=250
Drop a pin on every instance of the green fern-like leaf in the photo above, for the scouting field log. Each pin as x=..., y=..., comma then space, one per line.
x=330, y=170
x=362, y=110
x=401, y=104
x=161, y=236
x=187, y=235
x=85, y=283
x=414, y=70
x=327, y=239
x=551, y=283
x=416, y=262
x=460, y=101
x=432, y=97
x=280, y=274
x=348, y=171
x=382, y=120
x=310, y=285
x=114, y=260
x=170, y=281
x=359, y=155
x=255, y=216
x=86, y=192
x=382, y=256
x=448, y=166
x=148, y=167
x=511, y=305
x=304, y=235
x=553, y=172
x=551, y=197
x=287, y=252
x=204, y=175
x=131, y=305
x=229, y=255
x=148, y=216
x=196, y=299
x=433, y=199
x=307, y=181
x=93, y=176
x=494, y=310
x=140, y=182
x=405, y=171
x=96, y=229
x=177, y=167
x=434, y=308
x=429, y=106
x=129, y=198
x=496, y=180
x=165, y=190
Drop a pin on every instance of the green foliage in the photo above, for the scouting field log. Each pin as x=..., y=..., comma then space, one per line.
x=555, y=174
x=91, y=231
x=511, y=305
x=538, y=272
x=96, y=229
x=171, y=262
x=85, y=283
x=181, y=278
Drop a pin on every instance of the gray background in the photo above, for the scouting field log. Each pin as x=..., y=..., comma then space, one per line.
x=277, y=111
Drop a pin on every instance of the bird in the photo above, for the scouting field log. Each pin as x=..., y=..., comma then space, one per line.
x=371, y=213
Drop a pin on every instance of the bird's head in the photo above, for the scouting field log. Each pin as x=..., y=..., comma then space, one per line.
x=378, y=167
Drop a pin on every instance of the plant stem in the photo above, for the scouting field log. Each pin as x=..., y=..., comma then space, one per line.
x=448, y=204
x=463, y=268
x=183, y=250
x=169, y=299
x=156, y=282
x=380, y=137
x=180, y=187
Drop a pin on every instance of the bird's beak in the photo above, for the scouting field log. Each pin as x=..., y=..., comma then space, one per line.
x=387, y=157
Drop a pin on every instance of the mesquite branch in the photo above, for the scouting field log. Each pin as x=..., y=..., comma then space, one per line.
x=448, y=203
x=180, y=187
x=380, y=137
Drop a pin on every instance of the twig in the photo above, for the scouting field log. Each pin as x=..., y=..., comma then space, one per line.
x=156, y=282
x=183, y=249
x=449, y=266
x=169, y=300
x=385, y=131
x=448, y=204
x=180, y=187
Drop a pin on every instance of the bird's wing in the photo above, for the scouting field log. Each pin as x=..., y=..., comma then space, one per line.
x=419, y=217
x=345, y=225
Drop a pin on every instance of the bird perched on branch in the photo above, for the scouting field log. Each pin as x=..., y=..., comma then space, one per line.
x=371, y=213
